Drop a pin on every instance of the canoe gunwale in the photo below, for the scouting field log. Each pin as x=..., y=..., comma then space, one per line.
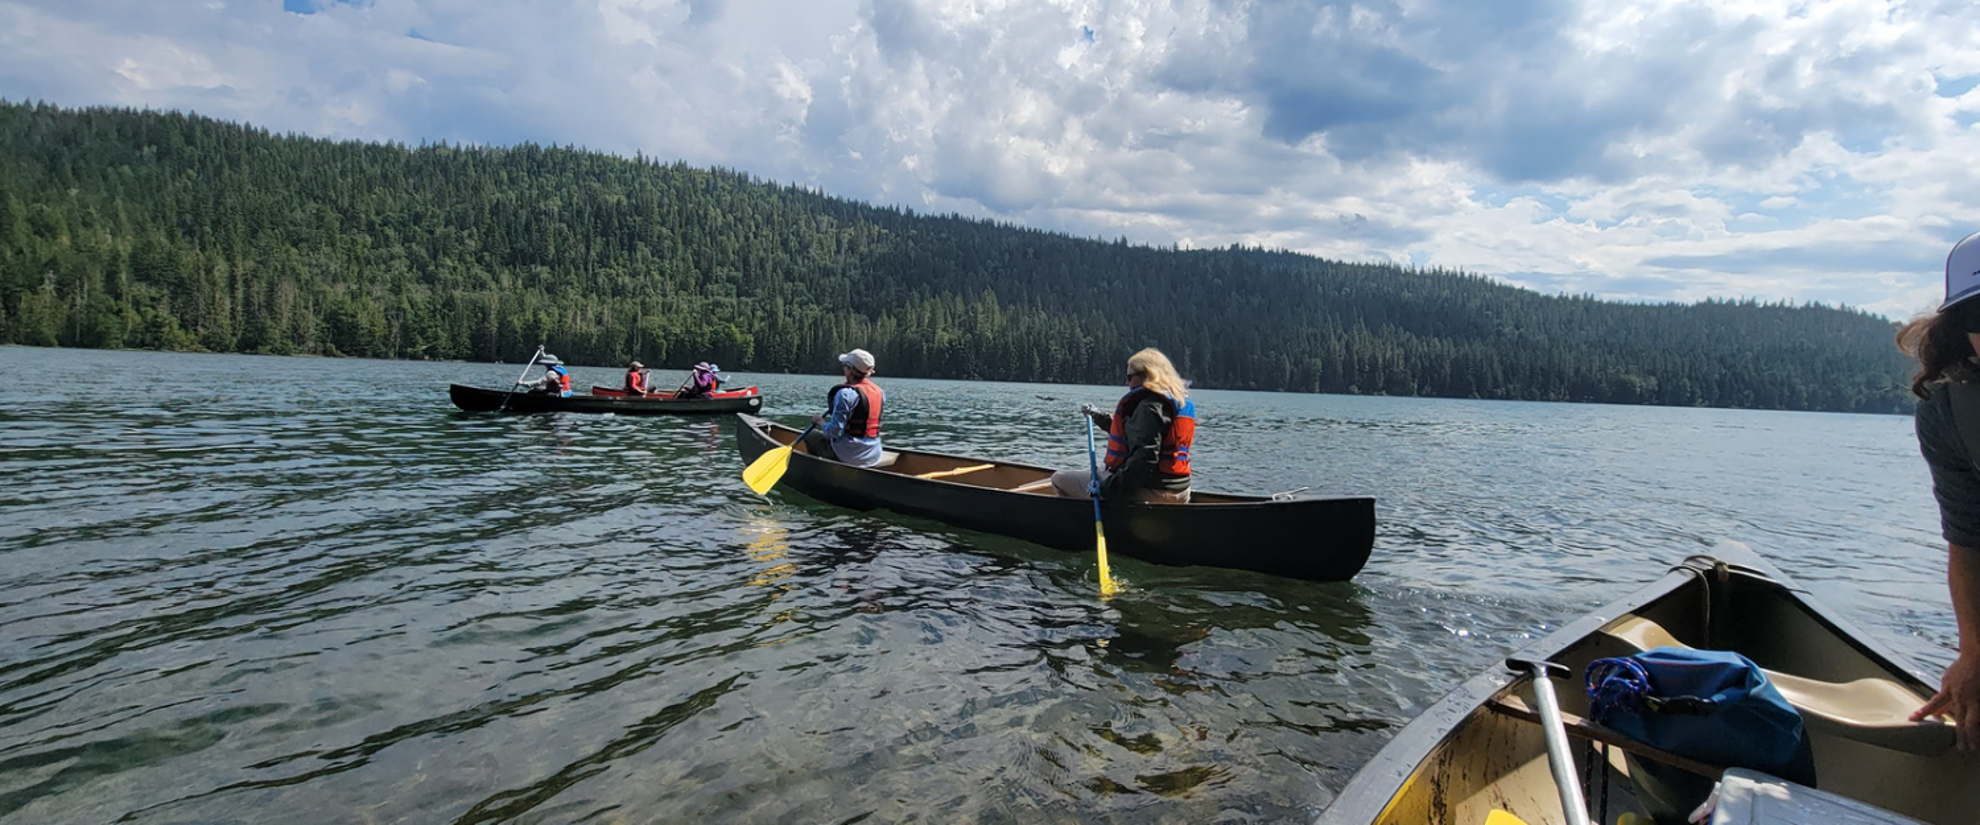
x=599, y=391
x=1217, y=500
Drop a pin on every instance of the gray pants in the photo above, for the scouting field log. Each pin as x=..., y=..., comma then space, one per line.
x=817, y=444
x=1072, y=484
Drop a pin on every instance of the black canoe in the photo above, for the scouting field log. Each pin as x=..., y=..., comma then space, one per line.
x=476, y=399
x=1481, y=748
x=1318, y=538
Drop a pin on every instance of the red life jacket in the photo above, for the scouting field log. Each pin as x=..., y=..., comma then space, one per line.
x=864, y=419
x=636, y=381
x=563, y=381
x=1174, y=458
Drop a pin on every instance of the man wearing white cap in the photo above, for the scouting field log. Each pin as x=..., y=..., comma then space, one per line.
x=1948, y=423
x=850, y=430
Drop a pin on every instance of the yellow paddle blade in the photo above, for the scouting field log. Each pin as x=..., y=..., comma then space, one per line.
x=1100, y=541
x=762, y=474
x=1498, y=817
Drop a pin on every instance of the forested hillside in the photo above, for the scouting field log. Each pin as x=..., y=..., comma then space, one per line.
x=121, y=228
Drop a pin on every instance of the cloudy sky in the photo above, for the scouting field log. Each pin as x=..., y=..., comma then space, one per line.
x=1645, y=150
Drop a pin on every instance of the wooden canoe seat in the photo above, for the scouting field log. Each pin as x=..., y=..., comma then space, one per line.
x=1872, y=710
x=887, y=458
x=1034, y=486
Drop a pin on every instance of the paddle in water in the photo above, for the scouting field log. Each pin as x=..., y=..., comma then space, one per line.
x=1099, y=530
x=519, y=379
x=763, y=473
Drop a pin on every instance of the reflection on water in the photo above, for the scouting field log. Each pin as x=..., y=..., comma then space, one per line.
x=347, y=601
x=1149, y=639
x=769, y=549
x=769, y=546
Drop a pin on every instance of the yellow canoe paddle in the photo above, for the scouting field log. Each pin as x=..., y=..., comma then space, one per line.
x=763, y=473
x=1099, y=529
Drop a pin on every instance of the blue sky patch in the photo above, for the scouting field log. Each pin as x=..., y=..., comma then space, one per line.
x=314, y=6
x=1956, y=86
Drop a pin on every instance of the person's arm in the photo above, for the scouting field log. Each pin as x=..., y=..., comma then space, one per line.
x=843, y=402
x=1959, y=689
x=1101, y=418
x=1144, y=430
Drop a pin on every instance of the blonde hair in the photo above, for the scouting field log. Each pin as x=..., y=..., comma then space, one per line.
x=1158, y=374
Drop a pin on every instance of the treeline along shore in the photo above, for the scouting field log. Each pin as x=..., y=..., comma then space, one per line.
x=160, y=230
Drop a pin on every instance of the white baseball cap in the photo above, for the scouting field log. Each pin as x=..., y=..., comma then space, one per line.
x=858, y=359
x=1962, y=271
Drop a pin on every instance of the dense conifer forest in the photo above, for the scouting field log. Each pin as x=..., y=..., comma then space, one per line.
x=137, y=229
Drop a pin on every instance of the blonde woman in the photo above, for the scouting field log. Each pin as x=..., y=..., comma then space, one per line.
x=1148, y=438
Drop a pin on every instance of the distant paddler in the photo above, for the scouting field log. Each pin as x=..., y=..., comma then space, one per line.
x=1148, y=437
x=701, y=382
x=849, y=431
x=555, y=379
x=635, y=378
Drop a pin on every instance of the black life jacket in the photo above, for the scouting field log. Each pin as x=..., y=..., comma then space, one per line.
x=864, y=419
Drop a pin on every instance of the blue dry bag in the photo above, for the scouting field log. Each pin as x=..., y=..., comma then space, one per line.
x=1709, y=705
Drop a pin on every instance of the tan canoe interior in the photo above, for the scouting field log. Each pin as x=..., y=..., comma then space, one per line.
x=971, y=471
x=1857, y=717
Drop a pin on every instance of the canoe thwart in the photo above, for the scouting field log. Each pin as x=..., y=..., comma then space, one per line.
x=1032, y=487
x=1517, y=708
x=955, y=472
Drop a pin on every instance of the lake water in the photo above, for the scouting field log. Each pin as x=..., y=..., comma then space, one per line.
x=234, y=588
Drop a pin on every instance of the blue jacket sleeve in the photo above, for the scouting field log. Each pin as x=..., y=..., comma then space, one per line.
x=843, y=403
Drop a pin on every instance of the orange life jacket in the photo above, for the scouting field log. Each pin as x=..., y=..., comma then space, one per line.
x=563, y=381
x=636, y=381
x=1174, y=458
x=864, y=419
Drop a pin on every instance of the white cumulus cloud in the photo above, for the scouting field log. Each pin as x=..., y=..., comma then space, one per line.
x=1646, y=150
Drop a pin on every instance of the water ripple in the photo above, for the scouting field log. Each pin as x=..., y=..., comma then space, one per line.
x=346, y=601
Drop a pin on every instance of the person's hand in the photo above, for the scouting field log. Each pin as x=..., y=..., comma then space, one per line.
x=1091, y=411
x=1958, y=697
x=818, y=419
